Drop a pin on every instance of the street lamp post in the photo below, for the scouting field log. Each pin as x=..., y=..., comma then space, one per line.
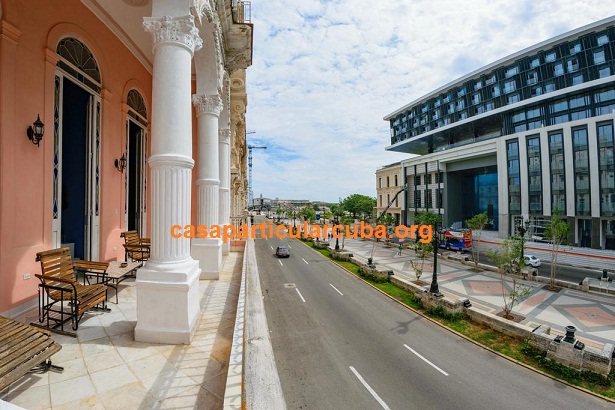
x=337, y=234
x=522, y=229
x=433, y=289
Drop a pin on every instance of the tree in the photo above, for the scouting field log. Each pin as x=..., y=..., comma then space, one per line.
x=428, y=218
x=509, y=265
x=357, y=204
x=308, y=214
x=556, y=231
x=477, y=222
x=421, y=250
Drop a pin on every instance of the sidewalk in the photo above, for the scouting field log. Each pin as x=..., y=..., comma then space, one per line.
x=104, y=368
x=593, y=314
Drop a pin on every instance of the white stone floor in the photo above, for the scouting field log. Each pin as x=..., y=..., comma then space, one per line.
x=104, y=368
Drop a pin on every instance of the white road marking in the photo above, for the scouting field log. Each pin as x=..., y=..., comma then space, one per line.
x=300, y=295
x=425, y=360
x=369, y=389
x=272, y=248
x=336, y=289
x=305, y=261
x=283, y=265
x=290, y=247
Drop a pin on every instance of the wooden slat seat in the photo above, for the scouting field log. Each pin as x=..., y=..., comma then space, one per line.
x=22, y=348
x=136, y=248
x=61, y=297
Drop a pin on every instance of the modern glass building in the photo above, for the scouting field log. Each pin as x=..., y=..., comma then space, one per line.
x=519, y=138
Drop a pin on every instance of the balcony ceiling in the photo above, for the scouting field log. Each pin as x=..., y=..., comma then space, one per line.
x=125, y=19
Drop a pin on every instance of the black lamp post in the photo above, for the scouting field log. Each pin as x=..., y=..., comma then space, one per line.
x=522, y=229
x=337, y=234
x=433, y=289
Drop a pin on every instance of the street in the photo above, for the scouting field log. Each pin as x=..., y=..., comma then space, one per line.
x=340, y=344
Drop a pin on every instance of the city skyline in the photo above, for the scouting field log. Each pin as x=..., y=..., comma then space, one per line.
x=326, y=73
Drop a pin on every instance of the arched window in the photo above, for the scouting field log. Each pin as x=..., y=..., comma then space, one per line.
x=137, y=103
x=78, y=61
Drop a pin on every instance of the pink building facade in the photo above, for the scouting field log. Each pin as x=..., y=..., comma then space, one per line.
x=87, y=69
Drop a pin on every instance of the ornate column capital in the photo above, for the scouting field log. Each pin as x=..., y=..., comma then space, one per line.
x=179, y=30
x=224, y=135
x=207, y=104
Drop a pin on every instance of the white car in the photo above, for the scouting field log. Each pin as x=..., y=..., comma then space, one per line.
x=532, y=261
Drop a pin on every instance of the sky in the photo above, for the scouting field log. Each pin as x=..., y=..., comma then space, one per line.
x=325, y=73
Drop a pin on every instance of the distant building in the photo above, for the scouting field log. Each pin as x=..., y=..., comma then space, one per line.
x=388, y=183
x=519, y=138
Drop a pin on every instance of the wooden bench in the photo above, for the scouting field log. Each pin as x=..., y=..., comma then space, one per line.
x=135, y=247
x=61, y=297
x=24, y=348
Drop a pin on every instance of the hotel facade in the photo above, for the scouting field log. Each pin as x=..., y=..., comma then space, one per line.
x=518, y=139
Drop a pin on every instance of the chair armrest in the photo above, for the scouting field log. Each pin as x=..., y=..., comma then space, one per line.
x=91, y=266
x=141, y=248
x=145, y=241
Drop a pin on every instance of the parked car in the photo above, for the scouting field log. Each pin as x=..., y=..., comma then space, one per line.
x=282, y=252
x=531, y=260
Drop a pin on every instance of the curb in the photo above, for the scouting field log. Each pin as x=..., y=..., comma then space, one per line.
x=608, y=399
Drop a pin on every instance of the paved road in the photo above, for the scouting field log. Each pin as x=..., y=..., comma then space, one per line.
x=339, y=344
x=568, y=273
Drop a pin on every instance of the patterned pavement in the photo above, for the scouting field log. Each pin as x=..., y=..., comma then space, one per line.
x=593, y=314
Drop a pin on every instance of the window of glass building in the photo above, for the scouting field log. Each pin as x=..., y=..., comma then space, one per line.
x=535, y=174
x=606, y=166
x=535, y=62
x=577, y=79
x=461, y=91
x=575, y=48
x=604, y=71
x=509, y=86
x=572, y=65
x=602, y=39
x=428, y=199
x=461, y=104
x=417, y=180
x=549, y=86
x=511, y=71
x=550, y=57
x=478, y=85
x=490, y=80
x=427, y=179
x=463, y=115
x=599, y=56
x=536, y=91
x=532, y=77
x=513, y=98
x=558, y=171
x=581, y=171
x=475, y=98
x=558, y=69
x=495, y=90
x=514, y=183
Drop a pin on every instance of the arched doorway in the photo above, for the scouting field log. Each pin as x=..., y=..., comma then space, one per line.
x=76, y=176
x=135, y=208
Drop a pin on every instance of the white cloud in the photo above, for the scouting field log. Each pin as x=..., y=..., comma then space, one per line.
x=325, y=73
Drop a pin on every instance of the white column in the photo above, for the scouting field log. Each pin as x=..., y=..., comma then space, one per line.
x=224, y=138
x=208, y=251
x=167, y=287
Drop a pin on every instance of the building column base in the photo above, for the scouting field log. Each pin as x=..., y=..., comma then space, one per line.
x=226, y=248
x=167, y=302
x=208, y=252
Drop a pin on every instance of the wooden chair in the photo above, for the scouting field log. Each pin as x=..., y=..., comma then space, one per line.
x=61, y=297
x=135, y=247
x=23, y=349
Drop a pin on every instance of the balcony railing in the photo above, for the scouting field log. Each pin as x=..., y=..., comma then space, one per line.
x=242, y=11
